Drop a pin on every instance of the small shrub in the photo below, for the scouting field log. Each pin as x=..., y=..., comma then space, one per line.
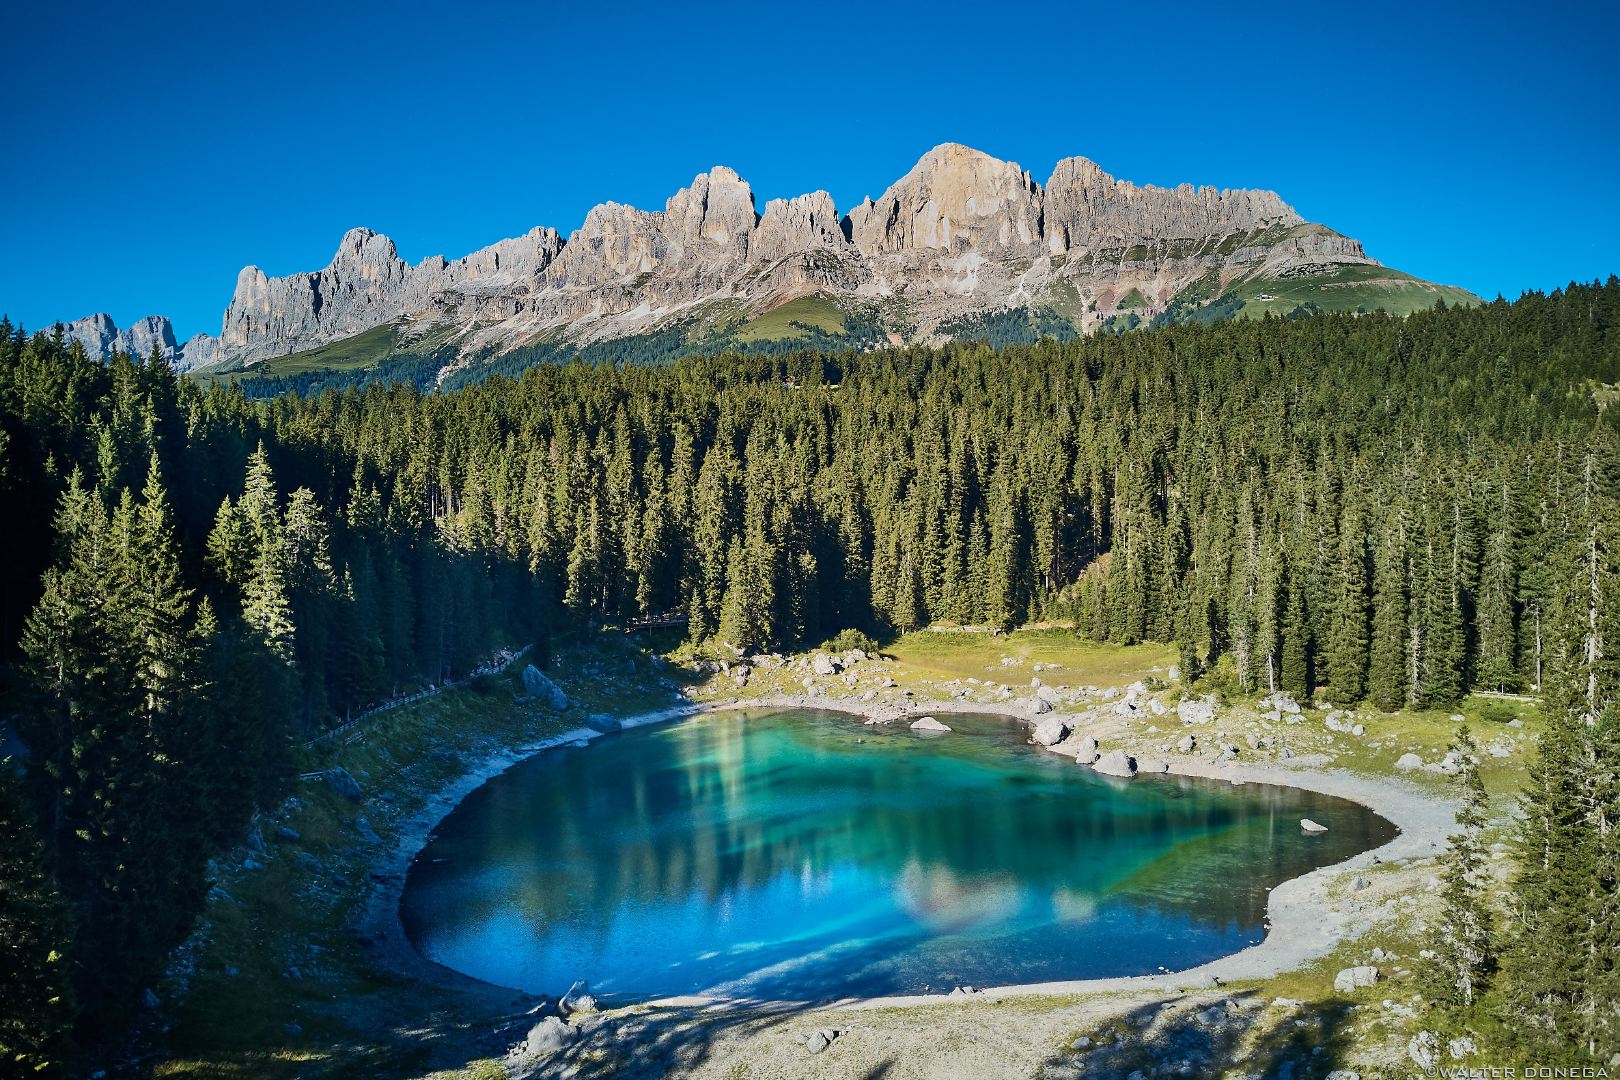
x=848, y=639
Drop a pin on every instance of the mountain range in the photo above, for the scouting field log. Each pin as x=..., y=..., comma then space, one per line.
x=963, y=245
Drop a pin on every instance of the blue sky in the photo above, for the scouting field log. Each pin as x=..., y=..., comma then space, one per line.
x=154, y=150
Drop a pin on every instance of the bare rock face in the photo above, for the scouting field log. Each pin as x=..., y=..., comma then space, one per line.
x=101, y=338
x=1086, y=209
x=962, y=234
x=955, y=200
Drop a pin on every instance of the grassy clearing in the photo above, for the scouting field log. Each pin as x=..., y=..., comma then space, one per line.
x=1347, y=288
x=1064, y=657
x=1132, y=299
x=776, y=324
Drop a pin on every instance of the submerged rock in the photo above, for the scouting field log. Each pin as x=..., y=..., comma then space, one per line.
x=928, y=723
x=1311, y=826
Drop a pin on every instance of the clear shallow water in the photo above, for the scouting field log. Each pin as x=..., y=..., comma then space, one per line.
x=801, y=855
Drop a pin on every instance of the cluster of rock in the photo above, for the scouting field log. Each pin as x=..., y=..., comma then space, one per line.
x=553, y=1034
x=962, y=233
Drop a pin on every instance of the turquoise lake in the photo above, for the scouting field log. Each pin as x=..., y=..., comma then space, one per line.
x=800, y=855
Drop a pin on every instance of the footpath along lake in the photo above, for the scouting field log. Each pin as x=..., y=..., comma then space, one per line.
x=799, y=855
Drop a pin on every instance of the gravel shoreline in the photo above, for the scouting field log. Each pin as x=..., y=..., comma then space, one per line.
x=1305, y=923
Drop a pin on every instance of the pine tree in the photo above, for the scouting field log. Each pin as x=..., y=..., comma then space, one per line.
x=1464, y=951
x=1346, y=653
x=1295, y=665
x=1386, y=675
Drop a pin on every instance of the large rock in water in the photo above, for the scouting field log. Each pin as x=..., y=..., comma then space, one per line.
x=1116, y=763
x=537, y=686
x=1049, y=731
x=928, y=723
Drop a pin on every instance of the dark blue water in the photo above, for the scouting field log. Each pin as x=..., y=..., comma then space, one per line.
x=800, y=855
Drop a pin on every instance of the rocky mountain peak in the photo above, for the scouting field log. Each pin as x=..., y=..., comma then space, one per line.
x=955, y=199
x=962, y=234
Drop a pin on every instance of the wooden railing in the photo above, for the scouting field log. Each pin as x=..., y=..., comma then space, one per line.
x=666, y=618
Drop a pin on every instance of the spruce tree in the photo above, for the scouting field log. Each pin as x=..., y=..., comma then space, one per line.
x=1346, y=651
x=1463, y=947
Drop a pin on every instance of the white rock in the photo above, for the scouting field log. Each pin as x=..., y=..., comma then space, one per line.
x=1050, y=731
x=1424, y=1049
x=1408, y=762
x=1195, y=710
x=928, y=723
x=1311, y=826
x=1085, y=750
x=1115, y=763
x=1352, y=978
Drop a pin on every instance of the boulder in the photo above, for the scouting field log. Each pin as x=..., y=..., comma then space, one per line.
x=928, y=723
x=1038, y=705
x=548, y=1036
x=1115, y=763
x=338, y=779
x=1311, y=826
x=1047, y=694
x=1187, y=744
x=578, y=999
x=1195, y=710
x=1408, y=762
x=542, y=689
x=1085, y=751
x=1152, y=765
x=1352, y=978
x=1050, y=731
x=824, y=665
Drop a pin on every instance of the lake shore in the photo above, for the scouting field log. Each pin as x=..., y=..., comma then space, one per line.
x=1307, y=915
